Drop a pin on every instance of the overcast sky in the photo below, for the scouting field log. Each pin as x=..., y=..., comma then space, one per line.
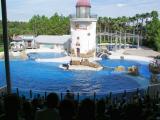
x=23, y=10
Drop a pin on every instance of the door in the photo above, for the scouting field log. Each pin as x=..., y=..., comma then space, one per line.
x=78, y=52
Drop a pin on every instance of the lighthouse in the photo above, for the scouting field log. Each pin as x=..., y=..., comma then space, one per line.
x=83, y=30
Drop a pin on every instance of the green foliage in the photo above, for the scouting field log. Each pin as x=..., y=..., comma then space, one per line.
x=146, y=24
x=1, y=49
x=136, y=23
x=157, y=40
x=153, y=32
x=40, y=25
x=18, y=28
x=1, y=45
x=55, y=25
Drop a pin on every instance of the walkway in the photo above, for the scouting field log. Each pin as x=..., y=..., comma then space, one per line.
x=141, y=54
x=145, y=52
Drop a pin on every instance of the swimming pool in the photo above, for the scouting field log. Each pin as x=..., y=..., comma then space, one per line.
x=47, y=76
x=46, y=55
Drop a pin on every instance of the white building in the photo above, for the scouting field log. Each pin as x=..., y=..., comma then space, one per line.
x=55, y=42
x=83, y=29
x=21, y=42
x=28, y=40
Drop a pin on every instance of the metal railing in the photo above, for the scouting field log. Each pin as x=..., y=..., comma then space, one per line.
x=91, y=16
x=152, y=90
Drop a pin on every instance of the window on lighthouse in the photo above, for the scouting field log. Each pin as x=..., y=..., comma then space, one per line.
x=83, y=12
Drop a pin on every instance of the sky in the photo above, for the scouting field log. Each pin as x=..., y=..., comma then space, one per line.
x=23, y=10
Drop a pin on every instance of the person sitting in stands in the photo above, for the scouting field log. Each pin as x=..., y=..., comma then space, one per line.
x=12, y=107
x=86, y=110
x=100, y=110
x=27, y=110
x=51, y=112
x=133, y=112
x=67, y=110
x=1, y=105
x=69, y=96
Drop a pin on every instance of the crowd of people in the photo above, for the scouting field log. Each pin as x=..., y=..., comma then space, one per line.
x=138, y=107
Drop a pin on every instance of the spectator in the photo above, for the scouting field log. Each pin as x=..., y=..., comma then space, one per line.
x=67, y=110
x=12, y=107
x=133, y=112
x=87, y=110
x=35, y=105
x=1, y=105
x=27, y=111
x=51, y=112
x=69, y=96
x=100, y=110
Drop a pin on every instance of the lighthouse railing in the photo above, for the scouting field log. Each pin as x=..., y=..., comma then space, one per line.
x=91, y=16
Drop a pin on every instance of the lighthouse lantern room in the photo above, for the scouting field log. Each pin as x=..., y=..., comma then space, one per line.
x=83, y=30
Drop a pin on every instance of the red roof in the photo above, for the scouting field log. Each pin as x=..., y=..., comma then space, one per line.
x=83, y=3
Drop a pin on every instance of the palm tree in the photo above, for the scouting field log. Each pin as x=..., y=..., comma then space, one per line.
x=99, y=24
x=137, y=17
x=142, y=17
x=148, y=15
x=154, y=14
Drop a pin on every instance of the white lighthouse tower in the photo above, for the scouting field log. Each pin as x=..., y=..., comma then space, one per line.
x=83, y=30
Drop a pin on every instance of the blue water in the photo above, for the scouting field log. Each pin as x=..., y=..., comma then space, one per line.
x=37, y=76
x=45, y=55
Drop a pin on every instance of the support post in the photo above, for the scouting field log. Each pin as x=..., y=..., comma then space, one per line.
x=116, y=41
x=30, y=94
x=125, y=40
x=94, y=97
x=138, y=42
x=100, y=34
x=100, y=42
x=111, y=41
x=108, y=34
x=17, y=92
x=5, y=41
x=105, y=35
x=45, y=95
x=78, y=97
x=61, y=96
x=120, y=40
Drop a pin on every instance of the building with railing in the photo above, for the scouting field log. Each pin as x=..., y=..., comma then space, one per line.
x=83, y=29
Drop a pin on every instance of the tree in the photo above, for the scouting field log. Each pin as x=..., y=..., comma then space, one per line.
x=157, y=40
x=154, y=14
x=55, y=25
x=59, y=25
x=152, y=34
